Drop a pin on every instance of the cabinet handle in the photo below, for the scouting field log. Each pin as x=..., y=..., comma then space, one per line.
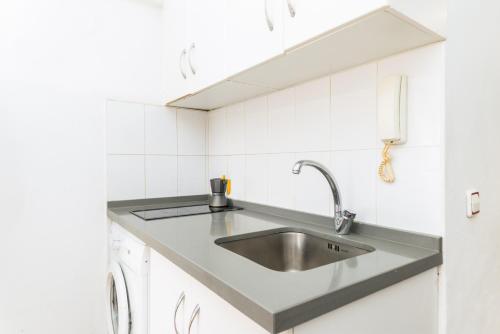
x=270, y=24
x=181, y=63
x=291, y=8
x=179, y=302
x=195, y=313
x=191, y=49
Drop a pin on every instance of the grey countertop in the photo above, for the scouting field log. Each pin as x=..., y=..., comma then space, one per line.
x=278, y=300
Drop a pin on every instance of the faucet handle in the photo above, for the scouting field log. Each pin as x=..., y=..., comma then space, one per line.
x=348, y=215
x=343, y=224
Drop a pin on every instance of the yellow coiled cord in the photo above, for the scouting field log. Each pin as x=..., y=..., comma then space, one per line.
x=385, y=170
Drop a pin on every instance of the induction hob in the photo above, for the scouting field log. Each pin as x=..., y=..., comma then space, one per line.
x=164, y=213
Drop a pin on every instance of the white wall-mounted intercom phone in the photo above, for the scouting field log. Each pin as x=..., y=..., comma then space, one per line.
x=391, y=119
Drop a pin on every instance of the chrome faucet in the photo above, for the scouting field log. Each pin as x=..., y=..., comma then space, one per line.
x=342, y=219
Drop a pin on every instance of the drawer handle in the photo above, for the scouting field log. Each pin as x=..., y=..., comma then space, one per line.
x=190, y=54
x=195, y=313
x=270, y=24
x=291, y=8
x=179, y=302
x=181, y=63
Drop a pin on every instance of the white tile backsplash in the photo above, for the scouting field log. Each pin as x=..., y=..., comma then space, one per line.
x=235, y=129
x=125, y=177
x=414, y=201
x=312, y=116
x=154, y=138
x=124, y=128
x=256, y=126
x=281, y=180
x=160, y=130
x=354, y=108
x=257, y=177
x=311, y=191
x=217, y=132
x=161, y=176
x=356, y=174
x=192, y=175
x=191, y=130
x=282, y=121
x=217, y=166
x=236, y=171
x=333, y=120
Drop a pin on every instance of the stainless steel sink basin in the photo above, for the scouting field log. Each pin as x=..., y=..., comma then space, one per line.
x=290, y=249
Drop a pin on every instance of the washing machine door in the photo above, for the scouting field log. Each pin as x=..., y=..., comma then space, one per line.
x=117, y=304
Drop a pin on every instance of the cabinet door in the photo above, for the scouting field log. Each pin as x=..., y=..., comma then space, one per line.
x=205, y=58
x=254, y=32
x=175, y=67
x=305, y=19
x=167, y=285
x=218, y=316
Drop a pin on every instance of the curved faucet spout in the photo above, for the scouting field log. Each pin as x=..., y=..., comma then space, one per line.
x=342, y=219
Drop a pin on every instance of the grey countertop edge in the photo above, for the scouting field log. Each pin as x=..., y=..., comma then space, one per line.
x=327, y=303
x=309, y=310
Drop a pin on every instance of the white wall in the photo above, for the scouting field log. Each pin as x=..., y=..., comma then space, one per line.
x=472, y=247
x=333, y=120
x=60, y=60
x=155, y=151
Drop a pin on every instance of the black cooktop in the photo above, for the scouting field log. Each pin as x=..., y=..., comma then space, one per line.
x=163, y=213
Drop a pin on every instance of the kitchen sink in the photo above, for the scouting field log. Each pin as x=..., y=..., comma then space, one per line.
x=288, y=249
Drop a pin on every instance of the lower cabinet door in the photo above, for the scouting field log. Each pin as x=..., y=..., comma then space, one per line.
x=213, y=315
x=179, y=304
x=168, y=297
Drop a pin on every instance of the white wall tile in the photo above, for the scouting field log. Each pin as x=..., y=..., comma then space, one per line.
x=414, y=201
x=257, y=177
x=312, y=116
x=125, y=128
x=191, y=130
x=282, y=134
x=281, y=180
x=235, y=129
x=217, y=132
x=217, y=166
x=161, y=176
x=354, y=108
x=356, y=175
x=125, y=177
x=236, y=171
x=312, y=192
x=425, y=70
x=161, y=130
x=192, y=175
x=256, y=126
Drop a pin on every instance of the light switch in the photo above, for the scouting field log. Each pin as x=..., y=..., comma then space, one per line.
x=473, y=203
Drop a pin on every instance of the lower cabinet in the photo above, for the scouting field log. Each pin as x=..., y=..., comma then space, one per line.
x=179, y=304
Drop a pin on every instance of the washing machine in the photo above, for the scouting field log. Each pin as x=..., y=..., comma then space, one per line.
x=126, y=283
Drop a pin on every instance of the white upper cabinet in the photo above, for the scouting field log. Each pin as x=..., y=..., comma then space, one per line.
x=194, y=45
x=205, y=43
x=306, y=19
x=254, y=32
x=175, y=68
x=220, y=52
